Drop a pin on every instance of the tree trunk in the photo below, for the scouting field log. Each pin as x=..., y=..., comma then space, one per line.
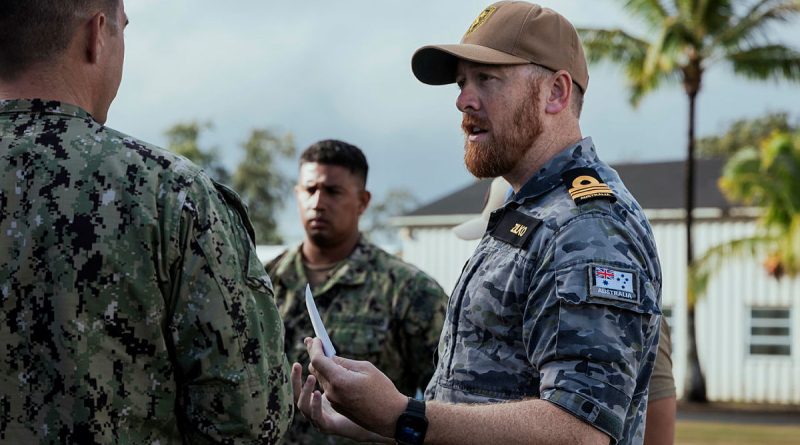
x=695, y=383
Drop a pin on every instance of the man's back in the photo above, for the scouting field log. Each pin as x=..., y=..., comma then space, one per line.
x=133, y=307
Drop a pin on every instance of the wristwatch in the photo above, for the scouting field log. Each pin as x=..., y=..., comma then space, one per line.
x=411, y=425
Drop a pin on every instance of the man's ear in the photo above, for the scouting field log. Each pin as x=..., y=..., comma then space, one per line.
x=364, y=197
x=95, y=38
x=560, y=92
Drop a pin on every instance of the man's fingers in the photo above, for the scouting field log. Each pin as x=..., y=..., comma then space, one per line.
x=316, y=411
x=297, y=381
x=352, y=365
x=304, y=399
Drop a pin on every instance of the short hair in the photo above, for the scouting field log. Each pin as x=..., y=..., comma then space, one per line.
x=335, y=152
x=36, y=31
x=576, y=100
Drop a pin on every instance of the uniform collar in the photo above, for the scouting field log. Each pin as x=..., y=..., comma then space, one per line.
x=43, y=107
x=351, y=271
x=580, y=154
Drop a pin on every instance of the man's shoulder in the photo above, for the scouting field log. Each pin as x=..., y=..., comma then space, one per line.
x=280, y=268
x=390, y=266
x=134, y=150
x=604, y=195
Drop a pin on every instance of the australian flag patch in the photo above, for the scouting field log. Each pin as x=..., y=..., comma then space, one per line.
x=613, y=284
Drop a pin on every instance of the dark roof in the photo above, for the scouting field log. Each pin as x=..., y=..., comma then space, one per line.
x=657, y=185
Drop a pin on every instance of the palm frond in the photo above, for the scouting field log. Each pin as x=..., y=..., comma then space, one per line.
x=652, y=11
x=710, y=17
x=714, y=258
x=613, y=44
x=767, y=62
x=756, y=22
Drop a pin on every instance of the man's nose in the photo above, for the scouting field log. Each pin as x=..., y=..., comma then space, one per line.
x=467, y=99
x=315, y=200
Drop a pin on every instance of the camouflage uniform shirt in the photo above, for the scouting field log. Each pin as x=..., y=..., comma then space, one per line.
x=535, y=314
x=134, y=309
x=374, y=306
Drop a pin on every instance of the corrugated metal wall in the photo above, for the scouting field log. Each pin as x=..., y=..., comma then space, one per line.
x=732, y=373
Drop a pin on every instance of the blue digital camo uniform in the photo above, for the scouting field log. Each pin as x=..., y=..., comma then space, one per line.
x=134, y=309
x=538, y=311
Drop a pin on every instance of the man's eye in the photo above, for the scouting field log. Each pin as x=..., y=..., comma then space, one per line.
x=484, y=77
x=460, y=84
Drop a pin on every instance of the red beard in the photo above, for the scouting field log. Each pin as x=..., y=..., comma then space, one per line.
x=506, y=145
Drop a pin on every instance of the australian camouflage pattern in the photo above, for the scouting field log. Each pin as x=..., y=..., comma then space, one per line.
x=134, y=309
x=374, y=306
x=526, y=318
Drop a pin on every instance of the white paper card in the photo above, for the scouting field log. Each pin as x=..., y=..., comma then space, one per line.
x=319, y=328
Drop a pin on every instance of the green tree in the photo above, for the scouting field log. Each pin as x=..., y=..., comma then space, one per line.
x=259, y=182
x=257, y=178
x=375, y=221
x=744, y=133
x=768, y=177
x=184, y=139
x=684, y=39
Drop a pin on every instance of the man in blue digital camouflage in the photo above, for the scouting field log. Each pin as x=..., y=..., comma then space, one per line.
x=551, y=332
x=133, y=309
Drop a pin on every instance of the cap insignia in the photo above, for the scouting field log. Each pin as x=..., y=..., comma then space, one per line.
x=482, y=18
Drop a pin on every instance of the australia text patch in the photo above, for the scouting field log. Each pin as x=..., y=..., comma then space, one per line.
x=584, y=184
x=515, y=228
x=613, y=284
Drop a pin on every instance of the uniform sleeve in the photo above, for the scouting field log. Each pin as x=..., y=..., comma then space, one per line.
x=591, y=322
x=422, y=326
x=227, y=336
x=662, y=383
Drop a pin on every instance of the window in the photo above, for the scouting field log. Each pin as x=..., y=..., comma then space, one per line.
x=770, y=331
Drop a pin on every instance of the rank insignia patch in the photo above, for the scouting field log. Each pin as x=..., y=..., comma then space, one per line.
x=584, y=184
x=613, y=284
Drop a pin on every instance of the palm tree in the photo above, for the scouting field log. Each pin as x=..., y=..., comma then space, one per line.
x=767, y=177
x=686, y=38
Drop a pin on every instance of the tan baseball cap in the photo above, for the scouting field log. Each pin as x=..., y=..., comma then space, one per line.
x=508, y=33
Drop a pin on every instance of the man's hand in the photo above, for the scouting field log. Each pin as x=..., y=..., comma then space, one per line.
x=318, y=410
x=357, y=389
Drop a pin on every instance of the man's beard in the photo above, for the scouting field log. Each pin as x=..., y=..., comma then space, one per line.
x=505, y=147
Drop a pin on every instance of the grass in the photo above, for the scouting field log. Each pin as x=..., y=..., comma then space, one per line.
x=708, y=433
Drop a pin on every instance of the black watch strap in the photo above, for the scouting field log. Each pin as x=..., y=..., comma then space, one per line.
x=416, y=406
x=412, y=424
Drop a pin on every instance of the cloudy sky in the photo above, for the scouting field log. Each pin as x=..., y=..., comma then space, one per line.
x=323, y=69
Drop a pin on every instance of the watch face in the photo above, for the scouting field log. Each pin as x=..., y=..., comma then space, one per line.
x=411, y=429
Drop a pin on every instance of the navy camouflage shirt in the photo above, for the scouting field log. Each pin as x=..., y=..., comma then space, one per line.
x=560, y=301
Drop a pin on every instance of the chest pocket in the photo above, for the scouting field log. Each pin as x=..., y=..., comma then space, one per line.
x=361, y=337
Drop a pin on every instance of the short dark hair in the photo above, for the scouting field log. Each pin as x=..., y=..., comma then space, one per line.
x=35, y=31
x=334, y=152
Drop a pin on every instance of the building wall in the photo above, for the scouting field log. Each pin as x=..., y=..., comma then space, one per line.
x=732, y=372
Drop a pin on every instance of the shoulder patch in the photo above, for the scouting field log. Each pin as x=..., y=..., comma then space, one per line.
x=613, y=284
x=515, y=228
x=584, y=184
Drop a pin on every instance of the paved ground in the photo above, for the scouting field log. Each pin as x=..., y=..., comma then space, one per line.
x=736, y=413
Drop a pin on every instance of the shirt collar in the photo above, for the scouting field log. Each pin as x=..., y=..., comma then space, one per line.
x=580, y=154
x=43, y=107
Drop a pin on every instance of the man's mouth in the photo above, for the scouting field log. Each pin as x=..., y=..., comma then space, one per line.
x=474, y=129
x=476, y=133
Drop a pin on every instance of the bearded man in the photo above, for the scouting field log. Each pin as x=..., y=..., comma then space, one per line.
x=551, y=331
